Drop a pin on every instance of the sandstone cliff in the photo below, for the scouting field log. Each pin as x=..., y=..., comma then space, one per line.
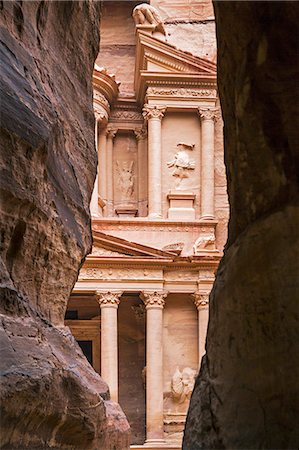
x=246, y=396
x=51, y=397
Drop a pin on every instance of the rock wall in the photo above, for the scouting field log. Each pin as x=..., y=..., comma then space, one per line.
x=246, y=395
x=51, y=397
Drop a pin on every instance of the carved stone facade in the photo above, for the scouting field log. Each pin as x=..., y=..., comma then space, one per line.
x=159, y=219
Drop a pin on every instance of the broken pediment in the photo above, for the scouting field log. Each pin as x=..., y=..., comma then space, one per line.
x=107, y=246
x=160, y=62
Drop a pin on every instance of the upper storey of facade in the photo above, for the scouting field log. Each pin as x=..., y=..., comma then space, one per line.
x=159, y=127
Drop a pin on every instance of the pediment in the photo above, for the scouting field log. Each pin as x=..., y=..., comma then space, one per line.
x=107, y=246
x=154, y=55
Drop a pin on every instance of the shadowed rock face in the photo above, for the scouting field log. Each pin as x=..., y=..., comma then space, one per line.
x=51, y=397
x=246, y=395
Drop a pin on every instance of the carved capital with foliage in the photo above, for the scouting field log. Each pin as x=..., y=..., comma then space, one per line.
x=207, y=113
x=153, y=112
x=201, y=299
x=108, y=298
x=154, y=299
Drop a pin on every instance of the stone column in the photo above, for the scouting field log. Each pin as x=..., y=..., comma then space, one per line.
x=94, y=206
x=207, y=116
x=111, y=132
x=102, y=166
x=154, y=115
x=154, y=303
x=109, y=302
x=142, y=163
x=201, y=301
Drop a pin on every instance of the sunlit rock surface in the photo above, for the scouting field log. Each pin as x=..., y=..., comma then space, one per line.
x=246, y=396
x=51, y=397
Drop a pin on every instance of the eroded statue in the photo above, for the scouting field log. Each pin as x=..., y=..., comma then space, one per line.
x=125, y=171
x=181, y=163
x=182, y=384
x=145, y=13
x=204, y=242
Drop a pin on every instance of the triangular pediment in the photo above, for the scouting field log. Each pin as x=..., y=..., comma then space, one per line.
x=107, y=246
x=154, y=55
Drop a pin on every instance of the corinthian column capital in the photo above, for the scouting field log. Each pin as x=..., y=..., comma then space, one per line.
x=153, y=112
x=208, y=113
x=154, y=299
x=200, y=299
x=108, y=298
x=140, y=134
x=111, y=132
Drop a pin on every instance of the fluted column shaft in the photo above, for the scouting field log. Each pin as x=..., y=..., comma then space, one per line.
x=201, y=301
x=154, y=302
x=109, y=302
x=207, y=116
x=109, y=173
x=154, y=115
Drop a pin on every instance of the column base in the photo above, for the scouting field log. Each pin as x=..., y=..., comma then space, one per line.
x=154, y=216
x=207, y=217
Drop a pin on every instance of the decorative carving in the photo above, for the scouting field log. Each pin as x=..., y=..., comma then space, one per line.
x=94, y=273
x=139, y=311
x=182, y=92
x=153, y=112
x=101, y=99
x=176, y=248
x=110, y=298
x=181, y=163
x=126, y=115
x=154, y=298
x=140, y=134
x=111, y=132
x=146, y=14
x=208, y=113
x=204, y=242
x=182, y=384
x=201, y=299
x=125, y=181
x=97, y=251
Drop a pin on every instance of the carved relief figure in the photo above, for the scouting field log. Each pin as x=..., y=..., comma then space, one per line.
x=181, y=163
x=125, y=171
x=182, y=384
x=146, y=13
x=204, y=242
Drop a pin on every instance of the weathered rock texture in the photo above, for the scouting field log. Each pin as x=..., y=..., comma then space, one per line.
x=51, y=397
x=246, y=395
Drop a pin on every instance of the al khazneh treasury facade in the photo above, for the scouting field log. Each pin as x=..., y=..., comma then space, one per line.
x=140, y=306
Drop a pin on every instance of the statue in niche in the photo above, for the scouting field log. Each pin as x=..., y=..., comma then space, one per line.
x=181, y=163
x=145, y=13
x=182, y=384
x=125, y=171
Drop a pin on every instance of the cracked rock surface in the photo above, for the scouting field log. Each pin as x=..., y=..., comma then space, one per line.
x=246, y=395
x=50, y=395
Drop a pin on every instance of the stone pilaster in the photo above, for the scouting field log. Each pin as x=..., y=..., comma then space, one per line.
x=207, y=116
x=142, y=165
x=201, y=301
x=111, y=133
x=109, y=302
x=154, y=302
x=154, y=115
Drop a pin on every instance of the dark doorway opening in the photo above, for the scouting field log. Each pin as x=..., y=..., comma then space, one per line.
x=86, y=347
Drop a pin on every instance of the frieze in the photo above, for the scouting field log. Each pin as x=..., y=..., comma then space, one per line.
x=95, y=273
x=182, y=92
x=126, y=115
x=181, y=276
